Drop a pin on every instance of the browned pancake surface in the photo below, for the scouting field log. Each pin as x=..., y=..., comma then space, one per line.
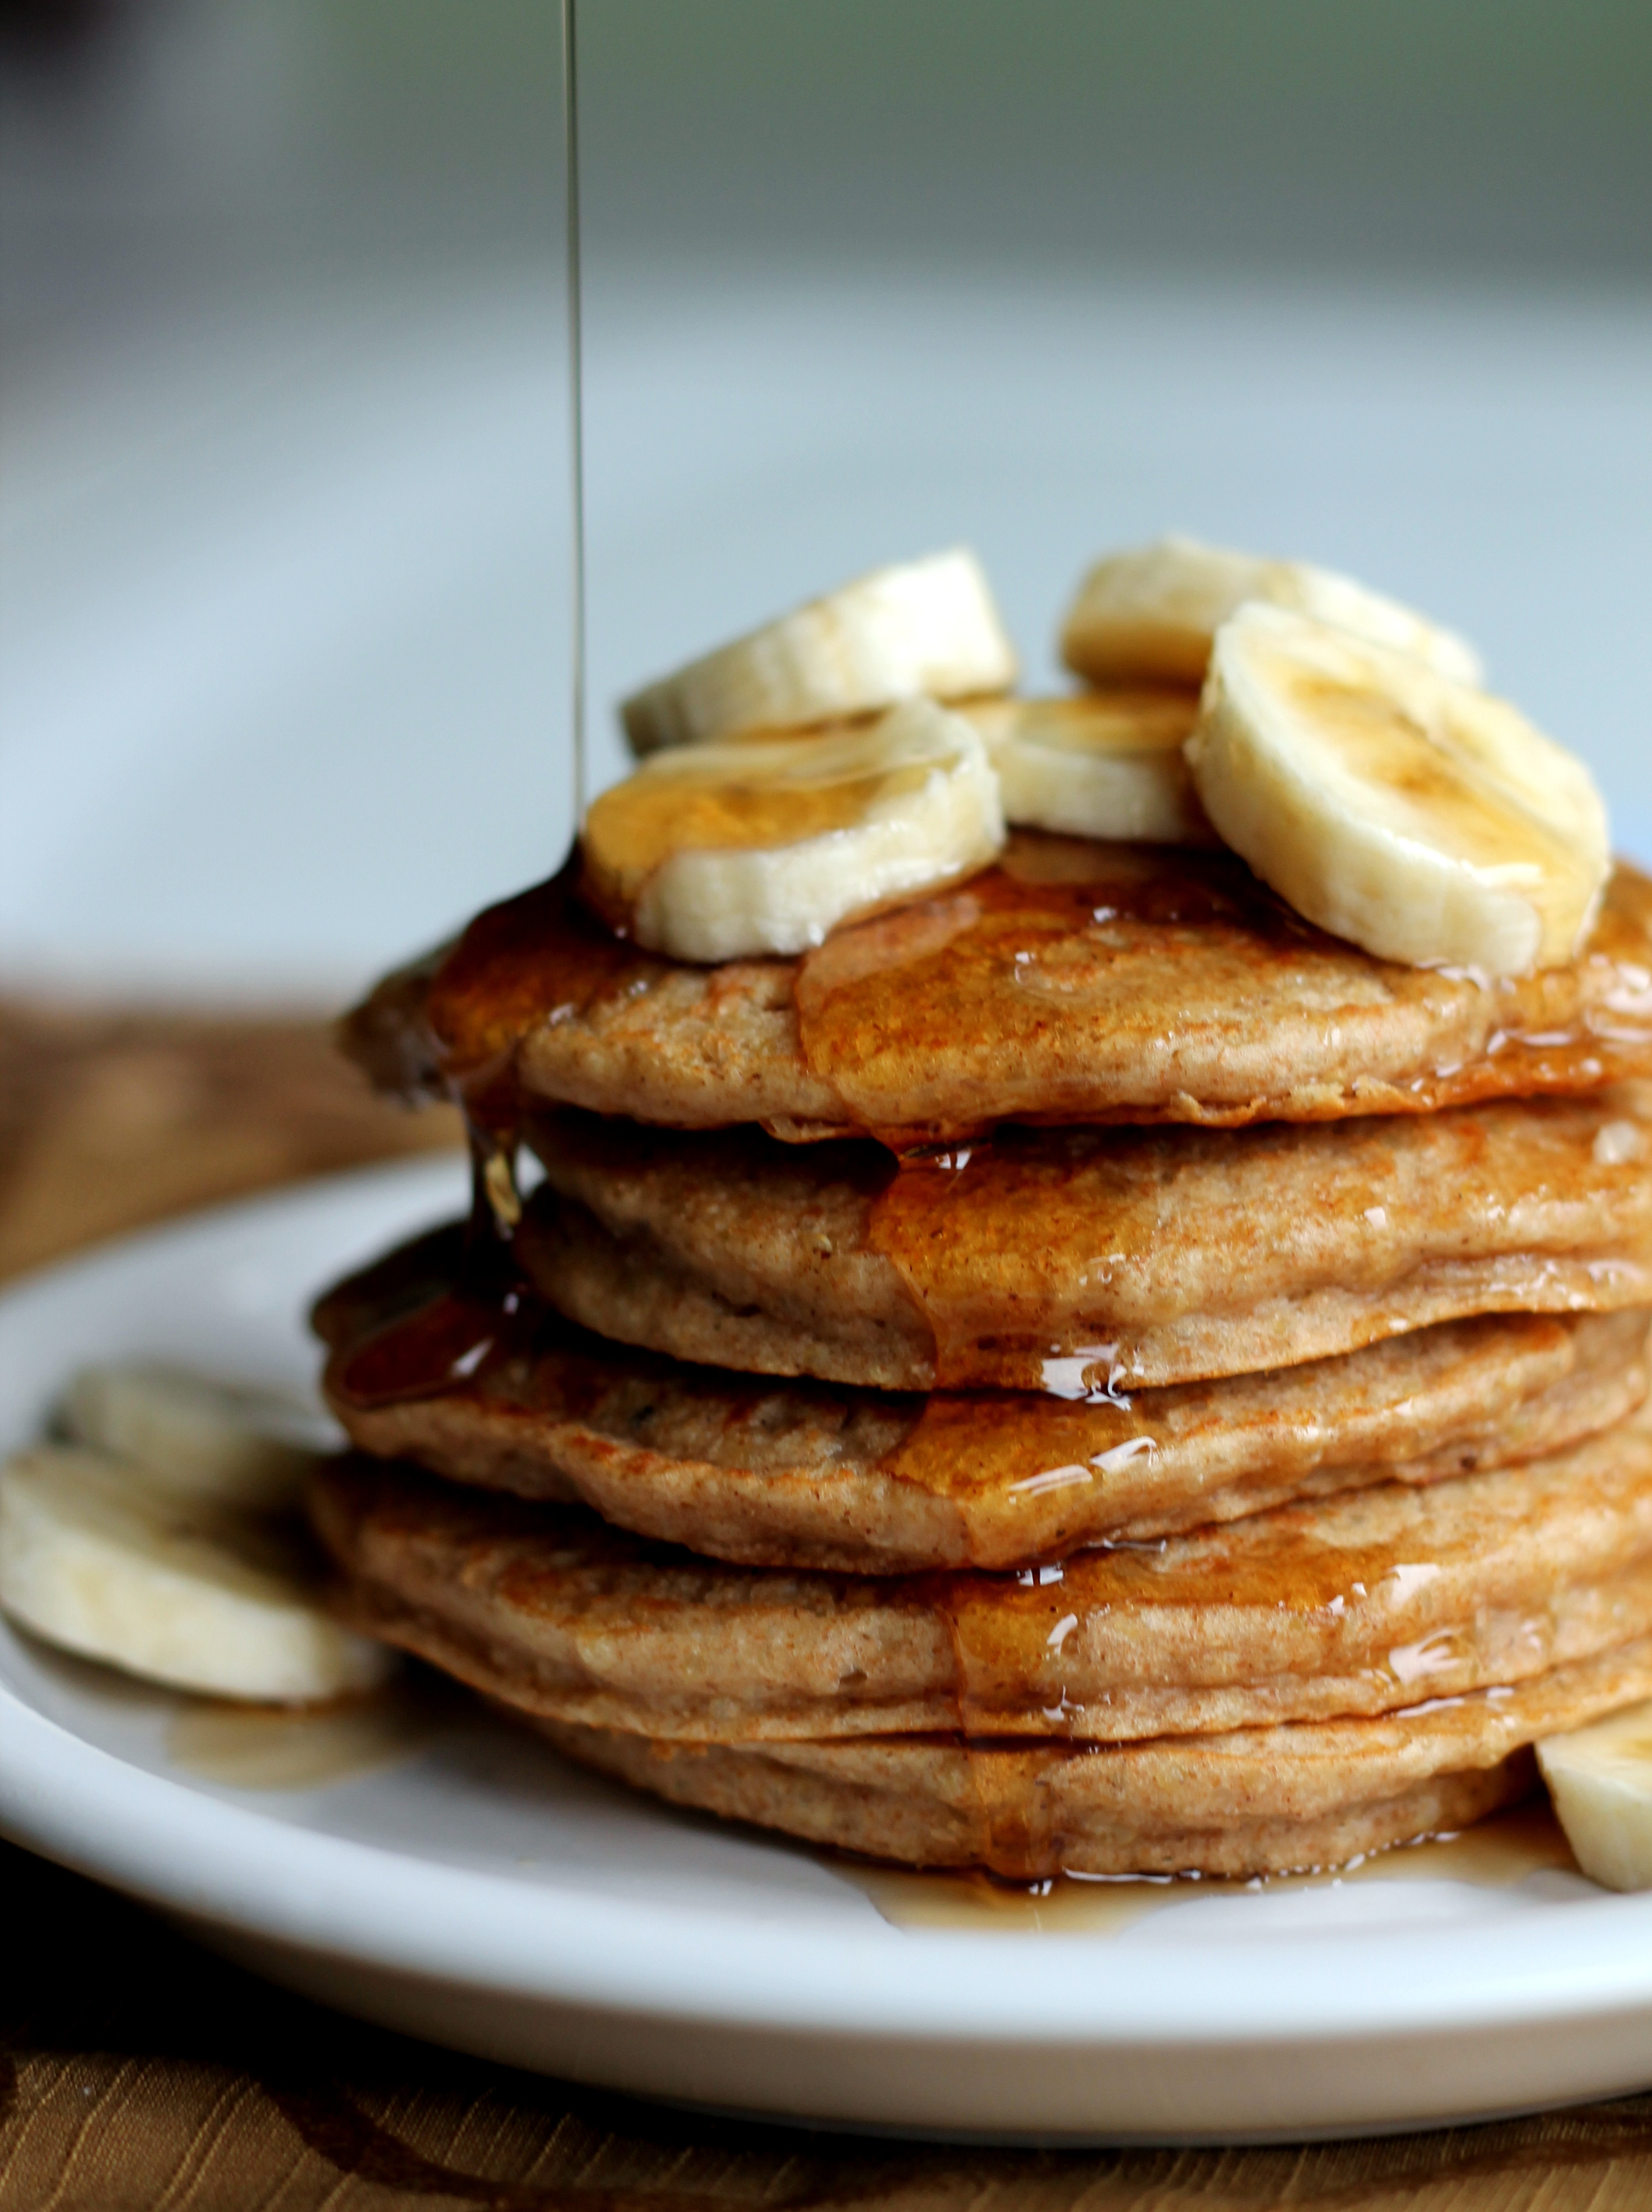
x=809, y=1474
x=1071, y=1261
x=1254, y=1802
x=1356, y=1605
x=1073, y=982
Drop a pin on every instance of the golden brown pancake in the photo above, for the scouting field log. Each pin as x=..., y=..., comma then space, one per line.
x=1078, y=1260
x=1072, y=982
x=1252, y=1802
x=1358, y=1605
x=821, y=1475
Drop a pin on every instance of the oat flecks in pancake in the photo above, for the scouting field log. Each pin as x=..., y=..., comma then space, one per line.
x=1358, y=1605
x=1273, y=1800
x=1236, y=1802
x=1090, y=1259
x=822, y=1475
x=1073, y=982
x=1027, y=1814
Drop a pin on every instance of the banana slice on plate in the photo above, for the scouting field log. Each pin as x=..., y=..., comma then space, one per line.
x=1419, y=817
x=763, y=844
x=199, y=1438
x=1148, y=615
x=1098, y=764
x=96, y=1560
x=926, y=628
x=1601, y=1780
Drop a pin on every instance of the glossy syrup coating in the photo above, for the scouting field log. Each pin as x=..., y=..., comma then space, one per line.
x=1371, y=1603
x=1078, y=982
x=1082, y=1262
x=507, y=1395
x=1073, y=981
x=1071, y=1261
x=1237, y=1804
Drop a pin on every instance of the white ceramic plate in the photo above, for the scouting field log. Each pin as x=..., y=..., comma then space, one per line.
x=470, y=1888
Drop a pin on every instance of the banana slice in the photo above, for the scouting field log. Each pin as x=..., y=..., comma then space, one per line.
x=94, y=1559
x=1601, y=1780
x=763, y=844
x=1421, y=818
x=1100, y=764
x=199, y=1438
x=1148, y=615
x=928, y=628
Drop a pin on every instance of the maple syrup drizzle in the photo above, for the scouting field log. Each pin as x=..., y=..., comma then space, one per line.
x=957, y=983
x=396, y=1330
x=697, y=803
x=884, y=1003
x=992, y=970
x=1375, y=1613
x=978, y=1231
x=574, y=270
x=965, y=1443
x=1044, y=1260
x=440, y=1312
x=542, y=956
x=427, y=1321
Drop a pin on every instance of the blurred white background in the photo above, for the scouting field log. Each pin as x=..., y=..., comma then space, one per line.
x=283, y=655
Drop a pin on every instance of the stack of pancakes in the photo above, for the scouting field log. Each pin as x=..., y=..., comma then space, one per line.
x=1083, y=1370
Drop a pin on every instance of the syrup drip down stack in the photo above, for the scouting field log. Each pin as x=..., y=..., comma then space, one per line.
x=1055, y=1284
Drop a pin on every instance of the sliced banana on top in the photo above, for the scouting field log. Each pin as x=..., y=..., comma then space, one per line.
x=1421, y=818
x=1601, y=1780
x=199, y=1438
x=924, y=629
x=1148, y=615
x=96, y=1560
x=1097, y=765
x=763, y=844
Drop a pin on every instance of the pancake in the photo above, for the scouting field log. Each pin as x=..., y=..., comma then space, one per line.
x=1353, y=1606
x=1080, y=1260
x=1072, y=982
x=1253, y=1801
x=807, y=1475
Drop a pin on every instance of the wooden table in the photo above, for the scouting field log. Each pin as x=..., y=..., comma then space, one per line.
x=137, y=2073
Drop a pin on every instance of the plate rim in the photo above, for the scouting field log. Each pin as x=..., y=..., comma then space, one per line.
x=188, y=1851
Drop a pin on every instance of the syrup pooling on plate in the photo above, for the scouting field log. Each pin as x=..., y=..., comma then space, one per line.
x=1509, y=1847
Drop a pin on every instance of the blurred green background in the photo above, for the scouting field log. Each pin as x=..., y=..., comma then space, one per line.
x=1464, y=141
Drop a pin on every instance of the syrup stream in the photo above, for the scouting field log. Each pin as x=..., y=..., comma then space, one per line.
x=575, y=393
